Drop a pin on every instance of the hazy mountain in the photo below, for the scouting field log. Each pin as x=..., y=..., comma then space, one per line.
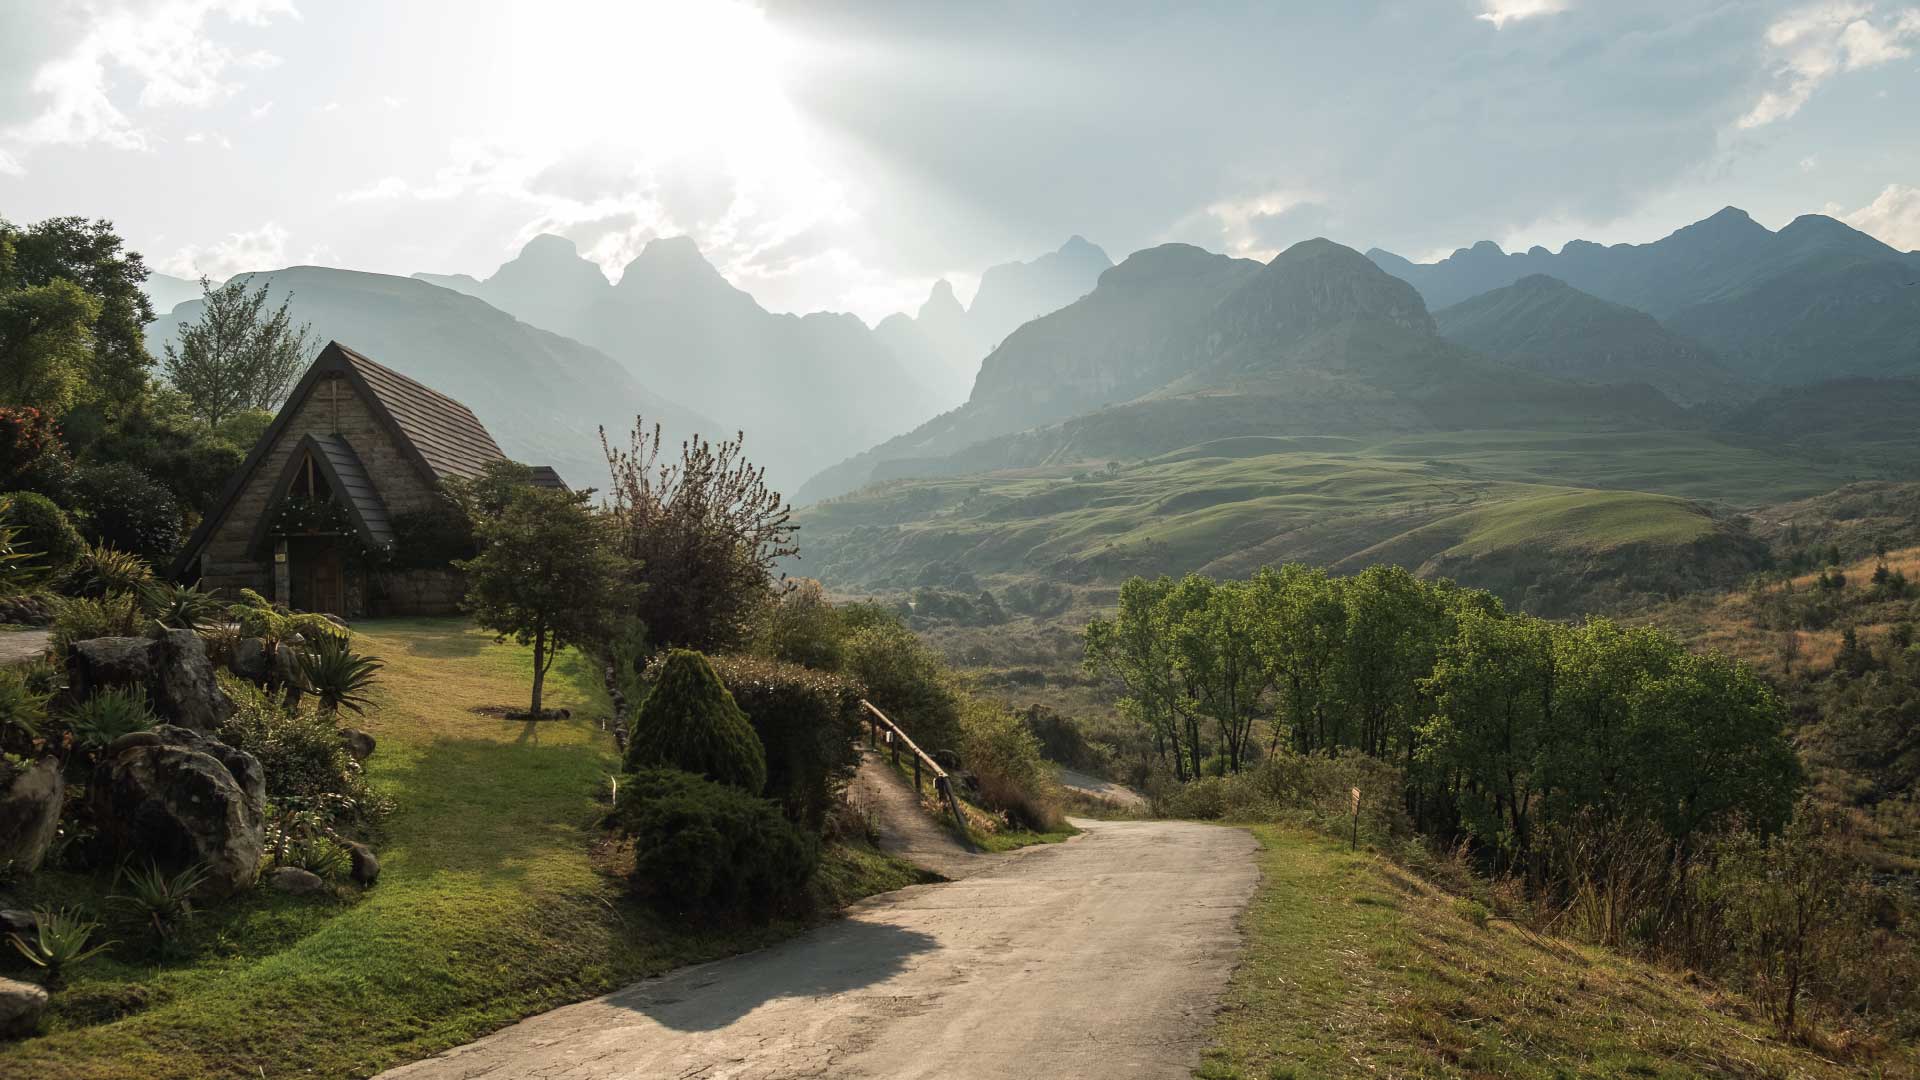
x=1543, y=324
x=1864, y=420
x=542, y=395
x=807, y=390
x=1178, y=345
x=165, y=291
x=946, y=342
x=1813, y=300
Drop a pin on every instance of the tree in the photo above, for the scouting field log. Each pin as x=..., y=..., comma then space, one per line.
x=1216, y=651
x=1136, y=649
x=239, y=355
x=548, y=575
x=44, y=336
x=704, y=533
x=59, y=262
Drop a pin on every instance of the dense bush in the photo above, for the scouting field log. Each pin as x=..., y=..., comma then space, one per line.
x=45, y=531
x=800, y=626
x=703, y=846
x=904, y=677
x=100, y=570
x=128, y=509
x=83, y=618
x=690, y=722
x=306, y=764
x=1004, y=758
x=1312, y=789
x=807, y=721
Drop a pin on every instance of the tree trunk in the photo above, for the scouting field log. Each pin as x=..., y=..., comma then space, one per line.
x=539, y=668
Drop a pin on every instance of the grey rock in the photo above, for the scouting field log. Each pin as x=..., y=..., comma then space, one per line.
x=298, y=882
x=288, y=673
x=30, y=800
x=187, y=799
x=109, y=661
x=366, y=865
x=184, y=689
x=14, y=921
x=251, y=660
x=20, y=1007
x=358, y=743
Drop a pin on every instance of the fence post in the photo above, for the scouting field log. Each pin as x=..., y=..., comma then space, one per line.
x=916, y=774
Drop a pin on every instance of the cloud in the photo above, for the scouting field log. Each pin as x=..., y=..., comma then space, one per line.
x=1502, y=12
x=1259, y=226
x=1893, y=216
x=1812, y=44
x=264, y=248
x=166, y=49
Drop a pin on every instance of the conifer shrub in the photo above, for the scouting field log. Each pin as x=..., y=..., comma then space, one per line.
x=807, y=721
x=690, y=722
x=710, y=847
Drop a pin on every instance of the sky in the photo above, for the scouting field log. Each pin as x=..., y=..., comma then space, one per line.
x=843, y=156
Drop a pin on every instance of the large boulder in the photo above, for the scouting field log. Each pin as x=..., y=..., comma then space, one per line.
x=30, y=798
x=173, y=670
x=252, y=660
x=20, y=1007
x=298, y=882
x=175, y=797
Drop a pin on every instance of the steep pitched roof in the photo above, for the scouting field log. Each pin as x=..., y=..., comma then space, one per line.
x=445, y=432
x=544, y=476
x=348, y=479
x=440, y=436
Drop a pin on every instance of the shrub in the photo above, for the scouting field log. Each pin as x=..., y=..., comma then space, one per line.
x=108, y=714
x=807, y=722
x=1472, y=911
x=102, y=570
x=800, y=626
x=130, y=510
x=704, y=846
x=1005, y=760
x=336, y=676
x=257, y=616
x=178, y=607
x=903, y=677
x=23, y=708
x=690, y=722
x=45, y=531
x=306, y=765
x=83, y=619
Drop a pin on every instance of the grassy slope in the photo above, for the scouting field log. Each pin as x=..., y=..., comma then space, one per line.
x=1354, y=968
x=487, y=910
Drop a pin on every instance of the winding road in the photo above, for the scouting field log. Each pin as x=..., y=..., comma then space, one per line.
x=1104, y=956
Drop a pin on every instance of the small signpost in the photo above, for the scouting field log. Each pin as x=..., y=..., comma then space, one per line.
x=1354, y=843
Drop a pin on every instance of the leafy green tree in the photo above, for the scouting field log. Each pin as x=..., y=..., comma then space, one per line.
x=1304, y=624
x=548, y=575
x=240, y=355
x=1217, y=653
x=1136, y=649
x=65, y=267
x=44, y=342
x=689, y=721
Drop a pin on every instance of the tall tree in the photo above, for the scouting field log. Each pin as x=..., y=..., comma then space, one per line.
x=1136, y=649
x=88, y=256
x=240, y=355
x=704, y=533
x=46, y=341
x=547, y=575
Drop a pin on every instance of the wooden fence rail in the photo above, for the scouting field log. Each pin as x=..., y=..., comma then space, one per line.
x=877, y=724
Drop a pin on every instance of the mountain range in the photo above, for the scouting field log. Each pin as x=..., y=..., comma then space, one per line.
x=1815, y=300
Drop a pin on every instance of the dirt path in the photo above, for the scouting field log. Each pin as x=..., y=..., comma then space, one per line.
x=23, y=646
x=1101, y=957
x=1123, y=797
x=902, y=827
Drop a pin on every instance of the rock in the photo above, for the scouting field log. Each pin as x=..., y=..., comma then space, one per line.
x=20, y=1007
x=366, y=865
x=130, y=740
x=30, y=800
x=298, y=882
x=288, y=673
x=109, y=661
x=17, y=922
x=187, y=799
x=358, y=743
x=251, y=660
x=184, y=689
x=174, y=671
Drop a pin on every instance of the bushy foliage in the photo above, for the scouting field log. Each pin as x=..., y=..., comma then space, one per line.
x=45, y=531
x=1004, y=758
x=807, y=721
x=83, y=618
x=703, y=534
x=306, y=765
x=799, y=625
x=701, y=846
x=257, y=616
x=107, y=714
x=23, y=711
x=905, y=678
x=128, y=509
x=690, y=722
x=102, y=570
x=179, y=607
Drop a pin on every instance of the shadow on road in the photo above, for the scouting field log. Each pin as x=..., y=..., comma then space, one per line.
x=843, y=957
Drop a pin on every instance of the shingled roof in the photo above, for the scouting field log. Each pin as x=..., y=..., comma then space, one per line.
x=445, y=432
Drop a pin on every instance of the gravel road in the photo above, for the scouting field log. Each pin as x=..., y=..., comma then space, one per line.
x=1100, y=957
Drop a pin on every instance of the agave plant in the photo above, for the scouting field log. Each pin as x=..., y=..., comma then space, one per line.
x=164, y=900
x=58, y=942
x=337, y=676
x=318, y=856
x=109, y=714
x=103, y=570
x=178, y=607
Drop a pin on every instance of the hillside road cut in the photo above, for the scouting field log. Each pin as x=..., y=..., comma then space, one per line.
x=1101, y=957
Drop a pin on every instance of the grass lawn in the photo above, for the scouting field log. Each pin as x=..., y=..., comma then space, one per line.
x=1355, y=968
x=487, y=910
